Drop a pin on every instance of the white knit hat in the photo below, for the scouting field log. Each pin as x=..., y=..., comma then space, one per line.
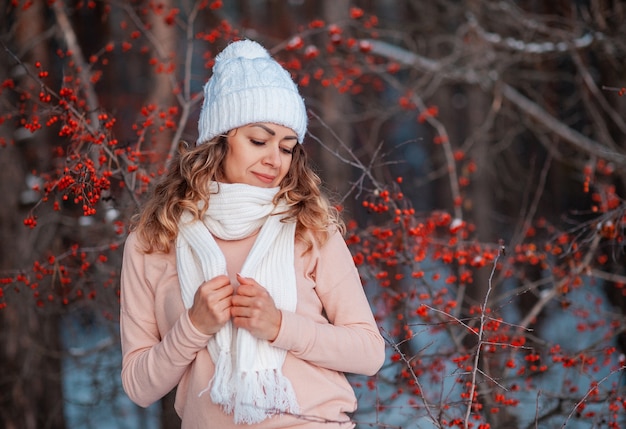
x=249, y=86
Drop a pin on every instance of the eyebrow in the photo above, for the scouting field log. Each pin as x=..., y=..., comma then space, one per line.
x=272, y=132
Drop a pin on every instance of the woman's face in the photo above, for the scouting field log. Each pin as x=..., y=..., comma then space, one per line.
x=259, y=154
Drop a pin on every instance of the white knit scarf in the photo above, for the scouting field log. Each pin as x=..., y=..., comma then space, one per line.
x=248, y=380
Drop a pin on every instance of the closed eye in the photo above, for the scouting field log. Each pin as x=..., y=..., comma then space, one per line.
x=286, y=150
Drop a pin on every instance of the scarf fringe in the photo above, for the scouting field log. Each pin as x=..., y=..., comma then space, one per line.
x=221, y=385
x=261, y=394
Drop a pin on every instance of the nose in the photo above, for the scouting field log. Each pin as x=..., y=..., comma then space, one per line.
x=272, y=156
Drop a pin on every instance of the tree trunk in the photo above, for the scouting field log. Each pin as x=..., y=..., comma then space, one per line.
x=32, y=394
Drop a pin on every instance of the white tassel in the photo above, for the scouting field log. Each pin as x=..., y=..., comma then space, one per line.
x=262, y=394
x=221, y=385
x=250, y=406
x=285, y=399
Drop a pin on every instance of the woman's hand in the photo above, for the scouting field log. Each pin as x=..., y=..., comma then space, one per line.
x=211, y=305
x=253, y=309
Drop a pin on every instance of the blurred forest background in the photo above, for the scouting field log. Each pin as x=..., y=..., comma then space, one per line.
x=477, y=148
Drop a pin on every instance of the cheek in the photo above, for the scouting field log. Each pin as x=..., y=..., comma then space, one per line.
x=235, y=157
x=285, y=168
x=232, y=167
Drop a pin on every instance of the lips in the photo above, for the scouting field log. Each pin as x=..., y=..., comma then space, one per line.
x=265, y=178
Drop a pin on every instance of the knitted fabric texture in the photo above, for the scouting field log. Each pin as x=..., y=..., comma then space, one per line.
x=248, y=380
x=248, y=86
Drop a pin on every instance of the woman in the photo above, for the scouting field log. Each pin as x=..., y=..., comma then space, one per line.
x=237, y=287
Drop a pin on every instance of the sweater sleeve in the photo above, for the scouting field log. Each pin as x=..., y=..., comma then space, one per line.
x=349, y=341
x=153, y=362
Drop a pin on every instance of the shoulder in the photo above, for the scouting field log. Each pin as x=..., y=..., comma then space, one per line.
x=320, y=244
x=335, y=243
x=136, y=248
x=135, y=245
x=148, y=268
x=132, y=244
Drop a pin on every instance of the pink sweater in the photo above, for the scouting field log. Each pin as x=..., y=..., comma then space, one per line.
x=331, y=332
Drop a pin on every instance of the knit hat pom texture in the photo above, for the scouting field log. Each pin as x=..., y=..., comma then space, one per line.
x=249, y=86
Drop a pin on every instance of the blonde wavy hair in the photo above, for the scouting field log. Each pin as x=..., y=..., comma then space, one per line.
x=187, y=183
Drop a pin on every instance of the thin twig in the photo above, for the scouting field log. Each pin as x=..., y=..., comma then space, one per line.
x=480, y=338
x=590, y=391
x=407, y=362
